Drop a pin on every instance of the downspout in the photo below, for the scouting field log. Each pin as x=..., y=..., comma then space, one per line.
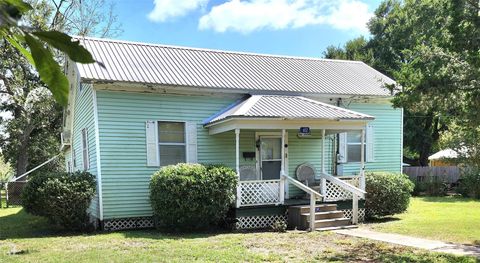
x=336, y=144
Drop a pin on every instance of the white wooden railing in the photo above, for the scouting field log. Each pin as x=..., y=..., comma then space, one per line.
x=314, y=196
x=259, y=192
x=354, y=192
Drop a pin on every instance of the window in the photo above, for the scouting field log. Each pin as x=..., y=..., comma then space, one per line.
x=85, y=157
x=74, y=158
x=354, y=142
x=171, y=142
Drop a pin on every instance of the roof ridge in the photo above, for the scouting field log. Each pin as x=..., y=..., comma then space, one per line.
x=217, y=50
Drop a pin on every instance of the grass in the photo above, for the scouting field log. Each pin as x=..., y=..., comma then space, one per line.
x=451, y=219
x=25, y=238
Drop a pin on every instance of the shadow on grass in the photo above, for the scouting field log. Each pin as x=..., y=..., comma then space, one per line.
x=379, y=252
x=446, y=199
x=22, y=225
x=377, y=220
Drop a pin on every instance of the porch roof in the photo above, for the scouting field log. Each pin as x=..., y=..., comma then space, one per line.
x=285, y=108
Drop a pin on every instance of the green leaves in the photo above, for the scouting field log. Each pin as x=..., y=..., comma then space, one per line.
x=64, y=43
x=49, y=70
x=39, y=55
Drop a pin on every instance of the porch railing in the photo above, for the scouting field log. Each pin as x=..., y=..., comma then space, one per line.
x=314, y=196
x=329, y=181
x=334, y=192
x=259, y=192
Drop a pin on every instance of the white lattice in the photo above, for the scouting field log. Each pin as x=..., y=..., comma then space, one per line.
x=128, y=223
x=348, y=213
x=258, y=222
x=337, y=193
x=259, y=192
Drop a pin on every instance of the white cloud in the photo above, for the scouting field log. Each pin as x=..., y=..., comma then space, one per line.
x=168, y=9
x=252, y=15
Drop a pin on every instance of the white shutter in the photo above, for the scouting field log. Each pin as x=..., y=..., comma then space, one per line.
x=342, y=147
x=152, y=143
x=370, y=141
x=191, y=130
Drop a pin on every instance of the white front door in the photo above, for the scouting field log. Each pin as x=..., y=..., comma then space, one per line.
x=270, y=157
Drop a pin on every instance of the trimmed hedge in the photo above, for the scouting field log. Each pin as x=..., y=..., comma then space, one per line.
x=192, y=196
x=61, y=197
x=387, y=193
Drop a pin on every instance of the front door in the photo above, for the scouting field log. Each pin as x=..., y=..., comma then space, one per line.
x=270, y=157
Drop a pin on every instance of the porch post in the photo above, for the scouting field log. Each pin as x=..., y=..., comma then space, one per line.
x=237, y=151
x=237, y=166
x=323, y=183
x=282, y=171
x=355, y=209
x=362, y=162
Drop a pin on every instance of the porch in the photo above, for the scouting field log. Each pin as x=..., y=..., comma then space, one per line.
x=270, y=179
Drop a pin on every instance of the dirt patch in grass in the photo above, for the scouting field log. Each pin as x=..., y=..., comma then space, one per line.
x=296, y=246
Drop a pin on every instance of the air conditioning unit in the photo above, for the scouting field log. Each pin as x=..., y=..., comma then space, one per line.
x=66, y=138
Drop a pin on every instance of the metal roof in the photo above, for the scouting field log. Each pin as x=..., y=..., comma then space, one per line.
x=235, y=71
x=285, y=107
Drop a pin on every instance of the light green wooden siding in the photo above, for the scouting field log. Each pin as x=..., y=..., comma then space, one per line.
x=301, y=150
x=84, y=118
x=122, y=117
x=388, y=132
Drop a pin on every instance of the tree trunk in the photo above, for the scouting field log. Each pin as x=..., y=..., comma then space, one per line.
x=22, y=158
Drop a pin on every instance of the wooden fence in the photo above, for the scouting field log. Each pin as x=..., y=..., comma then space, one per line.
x=449, y=174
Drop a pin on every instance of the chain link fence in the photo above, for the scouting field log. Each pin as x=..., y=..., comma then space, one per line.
x=14, y=192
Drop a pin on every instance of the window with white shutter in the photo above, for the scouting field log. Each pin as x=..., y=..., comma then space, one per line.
x=74, y=158
x=85, y=157
x=350, y=146
x=171, y=142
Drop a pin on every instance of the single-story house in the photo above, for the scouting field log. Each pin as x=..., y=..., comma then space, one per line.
x=300, y=132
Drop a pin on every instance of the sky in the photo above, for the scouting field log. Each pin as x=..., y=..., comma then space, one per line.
x=283, y=27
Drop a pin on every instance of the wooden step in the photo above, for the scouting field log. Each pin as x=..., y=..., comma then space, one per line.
x=335, y=228
x=325, y=215
x=318, y=208
x=332, y=222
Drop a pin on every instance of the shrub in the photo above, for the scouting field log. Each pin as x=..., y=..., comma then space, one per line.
x=431, y=186
x=470, y=184
x=61, y=197
x=387, y=193
x=279, y=226
x=192, y=196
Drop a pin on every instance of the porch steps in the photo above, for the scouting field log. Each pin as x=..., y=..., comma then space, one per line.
x=327, y=217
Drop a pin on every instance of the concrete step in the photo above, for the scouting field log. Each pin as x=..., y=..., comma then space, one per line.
x=332, y=222
x=318, y=208
x=325, y=215
x=335, y=228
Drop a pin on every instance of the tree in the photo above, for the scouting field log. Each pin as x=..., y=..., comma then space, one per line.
x=31, y=135
x=429, y=47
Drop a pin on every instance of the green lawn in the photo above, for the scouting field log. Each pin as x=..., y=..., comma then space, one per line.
x=452, y=219
x=24, y=238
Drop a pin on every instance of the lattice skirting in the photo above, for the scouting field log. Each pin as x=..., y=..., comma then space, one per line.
x=128, y=223
x=349, y=214
x=258, y=222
